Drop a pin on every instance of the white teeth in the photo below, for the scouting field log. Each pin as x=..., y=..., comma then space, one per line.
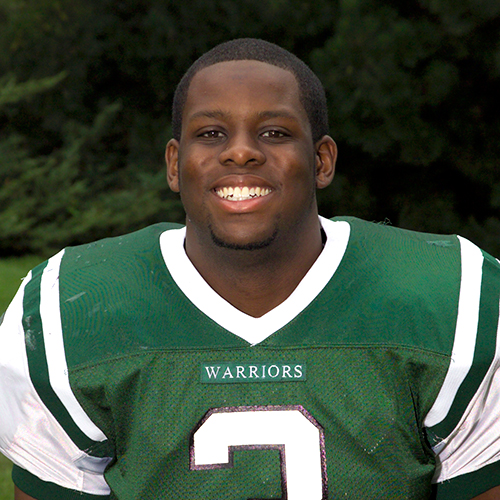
x=244, y=193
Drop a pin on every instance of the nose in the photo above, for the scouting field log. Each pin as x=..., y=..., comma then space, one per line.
x=242, y=150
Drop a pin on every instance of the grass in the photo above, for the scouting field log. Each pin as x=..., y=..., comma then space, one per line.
x=6, y=485
x=12, y=270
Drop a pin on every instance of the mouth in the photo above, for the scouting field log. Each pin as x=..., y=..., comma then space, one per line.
x=241, y=193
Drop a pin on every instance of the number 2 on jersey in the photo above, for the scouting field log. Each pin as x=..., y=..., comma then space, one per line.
x=290, y=429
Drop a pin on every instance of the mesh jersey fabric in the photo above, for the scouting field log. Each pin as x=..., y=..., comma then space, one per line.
x=128, y=390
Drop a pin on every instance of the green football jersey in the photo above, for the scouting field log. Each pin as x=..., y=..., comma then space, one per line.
x=123, y=375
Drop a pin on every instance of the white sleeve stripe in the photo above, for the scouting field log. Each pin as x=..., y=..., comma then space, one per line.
x=465, y=333
x=54, y=348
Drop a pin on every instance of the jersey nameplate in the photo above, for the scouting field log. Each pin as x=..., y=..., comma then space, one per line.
x=237, y=373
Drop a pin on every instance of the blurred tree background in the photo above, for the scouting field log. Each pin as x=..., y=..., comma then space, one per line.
x=86, y=89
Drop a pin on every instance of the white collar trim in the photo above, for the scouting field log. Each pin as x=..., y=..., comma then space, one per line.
x=254, y=330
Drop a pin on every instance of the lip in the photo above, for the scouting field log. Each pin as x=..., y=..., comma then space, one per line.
x=241, y=181
x=242, y=206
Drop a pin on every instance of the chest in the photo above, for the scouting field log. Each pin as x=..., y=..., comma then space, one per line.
x=264, y=423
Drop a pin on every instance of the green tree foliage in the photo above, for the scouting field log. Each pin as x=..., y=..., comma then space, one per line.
x=47, y=201
x=414, y=86
x=412, y=91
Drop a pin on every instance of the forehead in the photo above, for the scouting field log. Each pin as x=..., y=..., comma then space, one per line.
x=228, y=85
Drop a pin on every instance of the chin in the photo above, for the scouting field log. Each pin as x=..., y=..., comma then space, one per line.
x=256, y=244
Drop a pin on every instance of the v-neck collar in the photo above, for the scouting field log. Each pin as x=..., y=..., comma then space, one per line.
x=254, y=330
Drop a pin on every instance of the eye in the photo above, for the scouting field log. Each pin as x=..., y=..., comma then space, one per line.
x=274, y=134
x=211, y=134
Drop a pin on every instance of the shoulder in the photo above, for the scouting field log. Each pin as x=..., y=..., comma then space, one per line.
x=390, y=256
x=385, y=232
x=90, y=268
x=125, y=247
x=121, y=260
x=414, y=251
x=103, y=294
x=398, y=250
x=416, y=283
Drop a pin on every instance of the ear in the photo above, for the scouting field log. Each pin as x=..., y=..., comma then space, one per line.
x=172, y=160
x=326, y=157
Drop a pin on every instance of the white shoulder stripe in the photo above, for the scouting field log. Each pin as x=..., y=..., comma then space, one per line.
x=474, y=442
x=465, y=333
x=31, y=437
x=54, y=348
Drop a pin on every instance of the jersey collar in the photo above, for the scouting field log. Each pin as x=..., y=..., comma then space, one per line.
x=254, y=330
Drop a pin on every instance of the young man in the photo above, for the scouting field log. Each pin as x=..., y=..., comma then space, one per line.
x=261, y=351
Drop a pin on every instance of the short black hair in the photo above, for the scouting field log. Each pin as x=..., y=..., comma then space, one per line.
x=311, y=91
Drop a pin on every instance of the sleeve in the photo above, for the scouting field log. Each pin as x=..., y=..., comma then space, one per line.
x=464, y=422
x=56, y=450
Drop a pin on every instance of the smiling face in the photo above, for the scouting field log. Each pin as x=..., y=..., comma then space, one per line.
x=246, y=166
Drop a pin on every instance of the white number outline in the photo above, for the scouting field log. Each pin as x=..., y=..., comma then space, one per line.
x=280, y=447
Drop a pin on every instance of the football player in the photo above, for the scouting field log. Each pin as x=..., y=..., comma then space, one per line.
x=260, y=351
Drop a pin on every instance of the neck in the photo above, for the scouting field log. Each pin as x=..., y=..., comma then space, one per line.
x=256, y=281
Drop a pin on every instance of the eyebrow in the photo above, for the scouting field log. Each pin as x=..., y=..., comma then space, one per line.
x=276, y=114
x=263, y=115
x=210, y=114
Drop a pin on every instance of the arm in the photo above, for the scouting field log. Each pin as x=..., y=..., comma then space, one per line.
x=19, y=495
x=493, y=494
x=463, y=424
x=47, y=459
